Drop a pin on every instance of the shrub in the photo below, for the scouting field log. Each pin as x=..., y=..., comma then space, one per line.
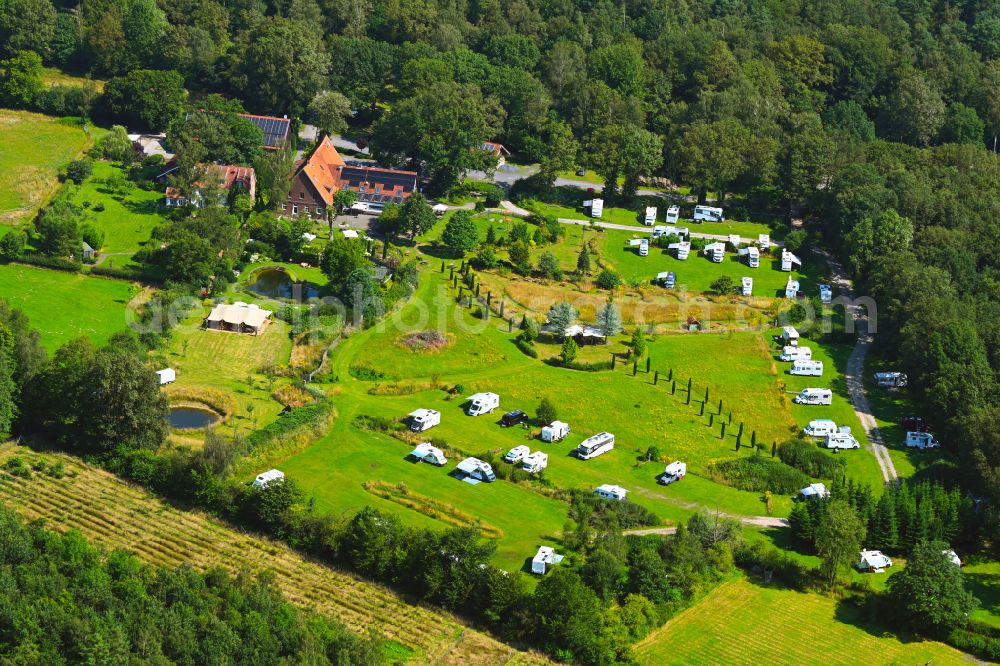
x=546, y=412
x=365, y=372
x=525, y=346
x=809, y=459
x=722, y=285
x=12, y=245
x=487, y=257
x=757, y=474
x=609, y=279
x=79, y=170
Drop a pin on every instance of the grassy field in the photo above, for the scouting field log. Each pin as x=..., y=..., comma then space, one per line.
x=33, y=150
x=126, y=221
x=63, y=306
x=114, y=514
x=53, y=76
x=743, y=623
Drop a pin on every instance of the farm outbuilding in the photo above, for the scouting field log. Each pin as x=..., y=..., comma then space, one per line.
x=239, y=318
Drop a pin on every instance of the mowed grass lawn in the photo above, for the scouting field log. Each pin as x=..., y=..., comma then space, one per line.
x=743, y=623
x=33, y=150
x=127, y=221
x=64, y=306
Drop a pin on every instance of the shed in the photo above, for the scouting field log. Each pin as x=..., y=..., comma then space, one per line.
x=167, y=375
x=873, y=560
x=543, y=558
x=87, y=252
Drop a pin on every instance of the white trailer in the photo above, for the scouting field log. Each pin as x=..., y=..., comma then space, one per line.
x=891, y=379
x=595, y=445
x=820, y=428
x=611, y=492
x=535, y=462
x=517, y=454
x=735, y=240
x=842, y=440
x=789, y=260
x=644, y=248
x=267, y=478
x=482, y=403
x=921, y=440
x=555, y=431
x=673, y=214
x=764, y=241
x=795, y=354
x=167, y=375
x=825, y=293
x=675, y=471
x=542, y=559
x=650, y=217
x=476, y=469
x=789, y=336
x=807, y=368
x=423, y=419
x=792, y=288
x=716, y=251
x=596, y=207
x=429, y=453
x=747, y=286
x=814, y=396
x=683, y=249
x=753, y=256
x=708, y=214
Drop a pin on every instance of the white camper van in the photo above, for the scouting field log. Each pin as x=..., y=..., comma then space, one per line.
x=795, y=354
x=429, y=454
x=675, y=471
x=716, y=251
x=820, y=428
x=789, y=336
x=683, y=249
x=595, y=445
x=543, y=558
x=610, y=492
x=764, y=241
x=921, y=440
x=708, y=214
x=555, y=431
x=650, y=217
x=842, y=440
x=266, y=478
x=807, y=368
x=747, y=284
x=753, y=256
x=423, y=419
x=482, y=403
x=789, y=260
x=644, y=248
x=792, y=288
x=596, y=207
x=734, y=240
x=673, y=214
x=476, y=469
x=814, y=396
x=825, y=293
x=535, y=462
x=517, y=454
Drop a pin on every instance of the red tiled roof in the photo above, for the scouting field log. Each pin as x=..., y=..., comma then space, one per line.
x=227, y=176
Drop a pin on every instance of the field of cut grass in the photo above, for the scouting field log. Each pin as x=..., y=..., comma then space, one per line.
x=115, y=514
x=126, y=221
x=743, y=623
x=64, y=306
x=53, y=76
x=33, y=150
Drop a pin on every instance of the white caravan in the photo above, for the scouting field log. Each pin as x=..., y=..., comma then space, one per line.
x=764, y=241
x=807, y=368
x=708, y=214
x=482, y=403
x=596, y=207
x=821, y=428
x=673, y=214
x=429, y=454
x=517, y=454
x=543, y=558
x=921, y=440
x=474, y=468
x=825, y=293
x=788, y=260
x=675, y=471
x=747, y=284
x=266, y=478
x=842, y=440
x=792, y=288
x=716, y=251
x=789, y=336
x=795, y=354
x=555, y=431
x=650, y=218
x=611, y=492
x=683, y=249
x=814, y=396
x=535, y=462
x=423, y=419
x=644, y=247
x=753, y=256
x=595, y=445
x=734, y=240
x=660, y=230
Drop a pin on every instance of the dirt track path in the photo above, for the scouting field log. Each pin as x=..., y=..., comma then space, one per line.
x=854, y=374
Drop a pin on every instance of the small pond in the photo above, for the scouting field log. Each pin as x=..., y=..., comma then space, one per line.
x=276, y=283
x=190, y=417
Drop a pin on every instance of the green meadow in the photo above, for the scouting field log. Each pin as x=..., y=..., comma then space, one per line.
x=127, y=221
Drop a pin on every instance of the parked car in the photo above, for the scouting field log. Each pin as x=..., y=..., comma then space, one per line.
x=512, y=418
x=581, y=172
